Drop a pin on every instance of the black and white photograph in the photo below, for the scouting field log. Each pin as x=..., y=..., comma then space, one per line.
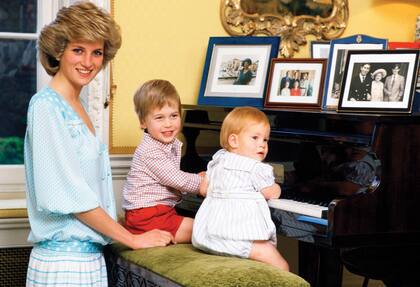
x=295, y=83
x=337, y=61
x=380, y=81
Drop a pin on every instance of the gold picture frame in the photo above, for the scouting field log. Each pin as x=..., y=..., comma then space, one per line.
x=273, y=18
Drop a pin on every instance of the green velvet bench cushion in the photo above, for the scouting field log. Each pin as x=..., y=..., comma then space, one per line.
x=184, y=265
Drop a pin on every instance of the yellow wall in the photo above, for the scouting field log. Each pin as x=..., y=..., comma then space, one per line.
x=168, y=39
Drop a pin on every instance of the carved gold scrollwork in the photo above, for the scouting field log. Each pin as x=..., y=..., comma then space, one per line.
x=292, y=29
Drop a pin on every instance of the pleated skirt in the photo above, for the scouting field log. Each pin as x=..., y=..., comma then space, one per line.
x=58, y=268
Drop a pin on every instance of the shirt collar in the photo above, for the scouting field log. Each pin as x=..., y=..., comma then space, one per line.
x=175, y=145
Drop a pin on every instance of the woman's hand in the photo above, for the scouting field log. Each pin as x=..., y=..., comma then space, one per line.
x=99, y=220
x=153, y=238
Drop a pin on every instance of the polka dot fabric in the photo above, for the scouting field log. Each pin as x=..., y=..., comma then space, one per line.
x=67, y=171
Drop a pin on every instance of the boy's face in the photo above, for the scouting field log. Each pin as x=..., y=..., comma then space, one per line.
x=251, y=142
x=163, y=124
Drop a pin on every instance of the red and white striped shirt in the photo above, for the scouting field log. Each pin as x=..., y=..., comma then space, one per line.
x=155, y=176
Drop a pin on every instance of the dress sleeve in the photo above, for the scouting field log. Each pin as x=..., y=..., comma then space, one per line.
x=262, y=176
x=58, y=183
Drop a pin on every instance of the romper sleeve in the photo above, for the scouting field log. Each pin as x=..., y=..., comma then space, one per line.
x=262, y=176
x=58, y=183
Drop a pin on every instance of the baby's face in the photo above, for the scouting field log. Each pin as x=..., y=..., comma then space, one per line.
x=253, y=141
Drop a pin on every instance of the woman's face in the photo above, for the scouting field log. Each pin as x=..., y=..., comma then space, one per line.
x=378, y=77
x=81, y=62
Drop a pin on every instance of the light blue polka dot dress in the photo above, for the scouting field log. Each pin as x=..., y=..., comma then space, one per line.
x=67, y=171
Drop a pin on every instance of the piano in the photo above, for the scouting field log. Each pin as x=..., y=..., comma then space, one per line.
x=324, y=212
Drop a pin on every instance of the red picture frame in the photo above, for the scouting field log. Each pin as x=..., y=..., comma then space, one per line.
x=403, y=45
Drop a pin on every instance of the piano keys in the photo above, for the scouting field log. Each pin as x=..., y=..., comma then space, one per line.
x=303, y=208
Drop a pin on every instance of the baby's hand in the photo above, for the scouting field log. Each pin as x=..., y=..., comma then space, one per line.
x=272, y=191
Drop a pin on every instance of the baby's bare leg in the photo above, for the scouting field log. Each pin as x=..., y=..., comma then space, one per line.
x=266, y=252
x=184, y=232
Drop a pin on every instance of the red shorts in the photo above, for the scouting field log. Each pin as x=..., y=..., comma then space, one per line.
x=162, y=217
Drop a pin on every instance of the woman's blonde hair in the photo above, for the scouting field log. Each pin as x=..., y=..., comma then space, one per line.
x=81, y=21
x=237, y=120
x=155, y=94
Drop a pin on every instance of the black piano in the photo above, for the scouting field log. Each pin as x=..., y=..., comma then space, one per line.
x=377, y=226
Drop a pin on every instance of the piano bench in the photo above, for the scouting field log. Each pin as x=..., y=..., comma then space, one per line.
x=183, y=265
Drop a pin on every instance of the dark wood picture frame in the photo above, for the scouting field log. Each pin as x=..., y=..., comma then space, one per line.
x=305, y=80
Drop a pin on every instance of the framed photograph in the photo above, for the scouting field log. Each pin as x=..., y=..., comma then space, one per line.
x=295, y=83
x=336, y=64
x=320, y=49
x=235, y=71
x=406, y=45
x=379, y=81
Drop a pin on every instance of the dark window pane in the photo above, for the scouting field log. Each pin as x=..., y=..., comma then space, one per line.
x=18, y=16
x=17, y=85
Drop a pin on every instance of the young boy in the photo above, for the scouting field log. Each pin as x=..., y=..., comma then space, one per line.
x=155, y=181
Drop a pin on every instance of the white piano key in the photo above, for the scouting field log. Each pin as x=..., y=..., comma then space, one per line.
x=297, y=207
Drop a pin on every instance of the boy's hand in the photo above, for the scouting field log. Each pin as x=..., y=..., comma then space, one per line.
x=203, y=185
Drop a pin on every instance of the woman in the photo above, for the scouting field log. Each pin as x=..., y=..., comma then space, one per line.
x=295, y=90
x=377, y=86
x=245, y=74
x=71, y=207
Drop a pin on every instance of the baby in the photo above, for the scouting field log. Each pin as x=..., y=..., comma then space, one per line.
x=234, y=219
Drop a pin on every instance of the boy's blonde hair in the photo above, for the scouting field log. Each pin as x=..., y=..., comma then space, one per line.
x=237, y=120
x=155, y=94
x=82, y=21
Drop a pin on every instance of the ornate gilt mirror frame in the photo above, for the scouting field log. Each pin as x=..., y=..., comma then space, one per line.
x=267, y=17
